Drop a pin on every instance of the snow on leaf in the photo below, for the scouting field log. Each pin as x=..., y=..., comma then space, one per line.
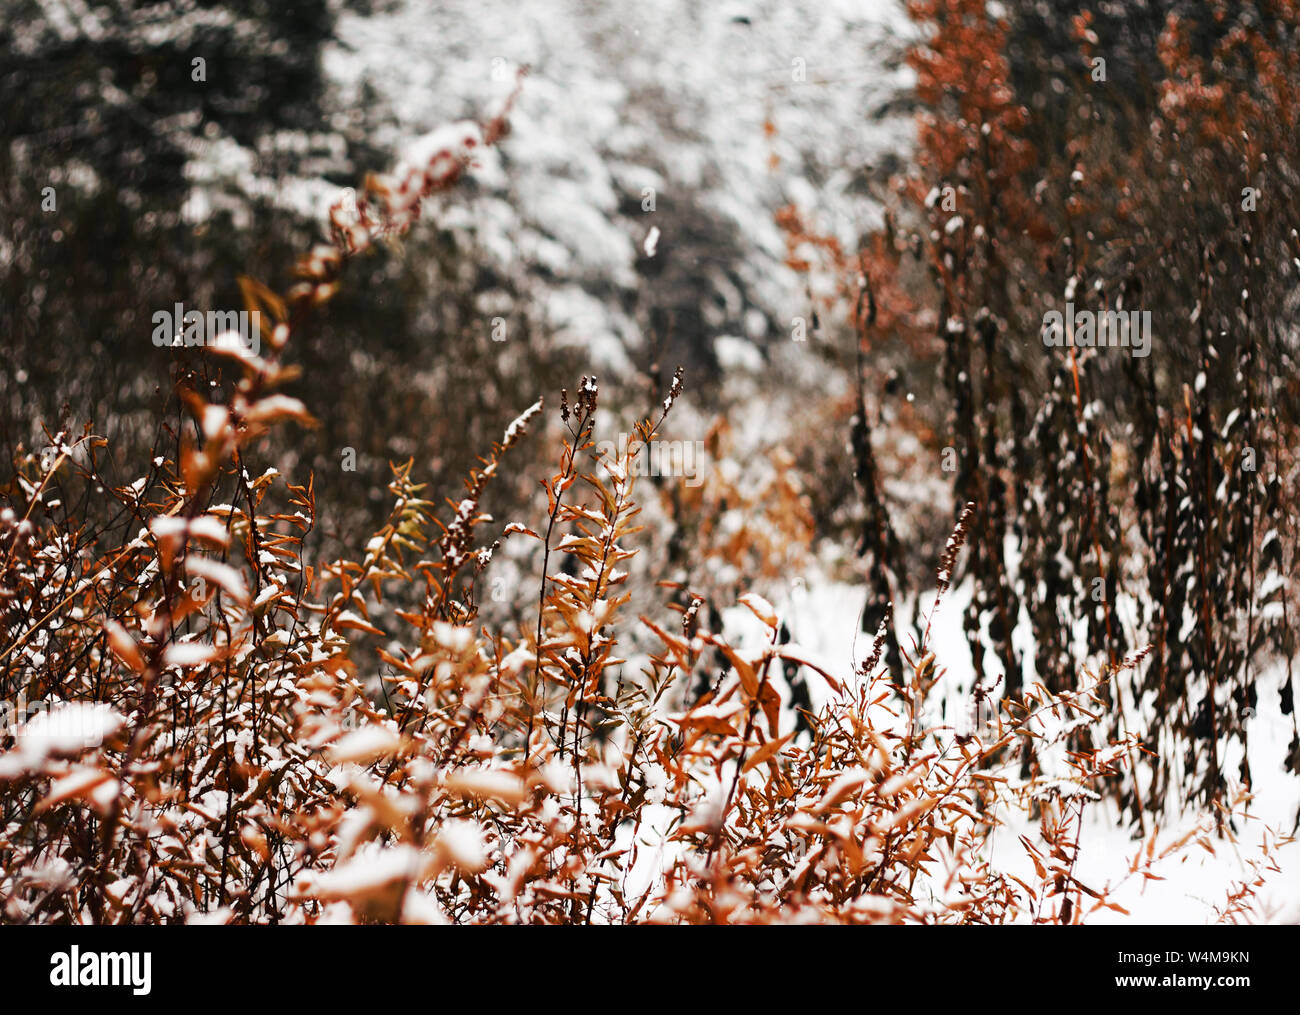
x=222, y=574
x=487, y=784
x=760, y=608
x=461, y=842
x=81, y=782
x=189, y=654
x=364, y=745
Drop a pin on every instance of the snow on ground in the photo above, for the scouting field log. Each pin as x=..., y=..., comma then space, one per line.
x=824, y=616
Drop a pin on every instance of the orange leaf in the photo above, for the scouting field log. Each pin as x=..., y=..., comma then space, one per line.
x=767, y=751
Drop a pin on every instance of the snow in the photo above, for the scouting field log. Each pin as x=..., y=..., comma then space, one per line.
x=824, y=616
x=673, y=98
x=371, y=871
x=189, y=654
x=462, y=843
x=594, y=127
x=737, y=354
x=62, y=729
x=488, y=784
x=364, y=745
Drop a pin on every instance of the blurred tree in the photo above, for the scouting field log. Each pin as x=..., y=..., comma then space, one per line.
x=108, y=111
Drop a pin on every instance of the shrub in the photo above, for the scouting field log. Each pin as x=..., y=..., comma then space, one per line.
x=233, y=730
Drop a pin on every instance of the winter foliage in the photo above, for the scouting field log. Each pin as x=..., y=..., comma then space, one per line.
x=842, y=596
